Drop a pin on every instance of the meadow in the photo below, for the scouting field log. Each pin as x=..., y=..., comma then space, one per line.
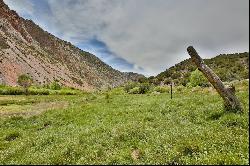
x=114, y=127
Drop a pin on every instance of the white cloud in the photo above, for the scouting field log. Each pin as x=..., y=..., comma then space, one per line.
x=154, y=34
x=24, y=7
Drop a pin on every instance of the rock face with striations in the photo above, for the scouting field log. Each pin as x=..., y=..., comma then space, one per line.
x=25, y=48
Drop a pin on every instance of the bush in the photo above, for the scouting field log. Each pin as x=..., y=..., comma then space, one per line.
x=162, y=89
x=135, y=90
x=142, y=80
x=39, y=92
x=144, y=88
x=245, y=82
x=198, y=79
x=25, y=81
x=46, y=86
x=180, y=88
x=167, y=81
x=2, y=86
x=55, y=85
x=176, y=75
x=7, y=90
x=63, y=92
x=117, y=91
x=3, y=43
x=11, y=91
x=67, y=92
x=156, y=81
x=129, y=86
x=183, y=81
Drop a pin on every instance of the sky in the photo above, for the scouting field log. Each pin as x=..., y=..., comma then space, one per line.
x=143, y=36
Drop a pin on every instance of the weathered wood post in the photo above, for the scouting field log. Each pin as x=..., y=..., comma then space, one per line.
x=171, y=90
x=231, y=102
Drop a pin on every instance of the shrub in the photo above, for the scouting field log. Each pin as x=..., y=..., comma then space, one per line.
x=180, y=88
x=176, y=82
x=25, y=81
x=167, y=81
x=117, y=91
x=142, y=80
x=3, y=43
x=47, y=86
x=63, y=92
x=198, y=79
x=55, y=85
x=11, y=91
x=161, y=89
x=39, y=92
x=2, y=85
x=129, y=86
x=135, y=90
x=107, y=96
x=144, y=88
x=67, y=92
x=245, y=83
x=245, y=74
x=7, y=90
x=189, y=85
x=183, y=81
x=176, y=75
x=156, y=81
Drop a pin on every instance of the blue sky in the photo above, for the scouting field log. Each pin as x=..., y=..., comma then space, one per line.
x=143, y=36
x=100, y=49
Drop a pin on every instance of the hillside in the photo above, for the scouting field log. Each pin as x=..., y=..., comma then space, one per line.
x=25, y=48
x=228, y=67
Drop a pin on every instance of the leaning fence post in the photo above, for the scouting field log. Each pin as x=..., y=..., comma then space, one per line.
x=231, y=102
x=171, y=90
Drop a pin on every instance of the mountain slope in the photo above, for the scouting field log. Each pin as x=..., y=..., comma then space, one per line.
x=228, y=67
x=25, y=48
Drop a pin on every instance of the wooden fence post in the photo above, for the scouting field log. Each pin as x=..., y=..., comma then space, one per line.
x=231, y=102
x=171, y=90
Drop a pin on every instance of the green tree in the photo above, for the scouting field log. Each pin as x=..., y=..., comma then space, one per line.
x=167, y=81
x=25, y=81
x=198, y=79
x=55, y=85
x=144, y=88
x=142, y=80
x=129, y=86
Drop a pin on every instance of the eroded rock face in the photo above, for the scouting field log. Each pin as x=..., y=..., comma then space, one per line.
x=25, y=48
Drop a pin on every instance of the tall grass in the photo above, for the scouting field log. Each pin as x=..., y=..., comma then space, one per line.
x=36, y=90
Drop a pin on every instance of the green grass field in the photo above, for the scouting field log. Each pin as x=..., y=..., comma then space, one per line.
x=119, y=128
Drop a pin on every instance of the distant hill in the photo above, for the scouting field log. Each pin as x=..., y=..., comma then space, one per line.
x=25, y=48
x=227, y=66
